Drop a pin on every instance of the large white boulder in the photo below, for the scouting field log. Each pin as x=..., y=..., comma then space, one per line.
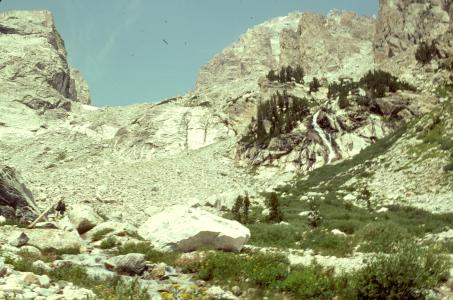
x=84, y=218
x=181, y=228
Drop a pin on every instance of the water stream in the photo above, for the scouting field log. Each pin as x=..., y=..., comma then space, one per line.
x=324, y=138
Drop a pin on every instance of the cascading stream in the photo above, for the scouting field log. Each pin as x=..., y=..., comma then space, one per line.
x=324, y=138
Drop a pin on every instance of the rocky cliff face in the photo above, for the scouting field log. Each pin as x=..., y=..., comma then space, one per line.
x=326, y=46
x=33, y=64
x=402, y=26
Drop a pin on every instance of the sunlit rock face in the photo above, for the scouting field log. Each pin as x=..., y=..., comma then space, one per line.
x=326, y=46
x=403, y=24
x=33, y=62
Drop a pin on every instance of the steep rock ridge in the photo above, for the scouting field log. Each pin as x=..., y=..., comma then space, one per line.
x=33, y=66
x=79, y=88
x=339, y=44
x=333, y=46
x=402, y=25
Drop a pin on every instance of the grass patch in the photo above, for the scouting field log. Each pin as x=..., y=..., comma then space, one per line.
x=101, y=234
x=263, y=270
x=328, y=244
x=151, y=254
x=108, y=243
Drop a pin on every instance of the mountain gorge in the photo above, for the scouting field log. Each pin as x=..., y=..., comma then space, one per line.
x=337, y=130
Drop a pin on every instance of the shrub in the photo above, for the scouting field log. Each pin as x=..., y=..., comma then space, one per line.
x=108, y=243
x=426, y=52
x=221, y=266
x=311, y=282
x=101, y=234
x=314, y=85
x=406, y=274
x=264, y=270
x=152, y=255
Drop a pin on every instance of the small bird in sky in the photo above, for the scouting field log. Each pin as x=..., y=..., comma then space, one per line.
x=165, y=41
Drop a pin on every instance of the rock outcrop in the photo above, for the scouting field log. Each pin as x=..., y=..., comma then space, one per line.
x=84, y=218
x=340, y=44
x=79, y=90
x=180, y=228
x=403, y=24
x=16, y=201
x=33, y=65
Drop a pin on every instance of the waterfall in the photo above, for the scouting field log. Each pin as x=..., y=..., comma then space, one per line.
x=323, y=136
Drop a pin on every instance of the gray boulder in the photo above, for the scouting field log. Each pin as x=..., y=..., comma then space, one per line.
x=132, y=264
x=84, y=218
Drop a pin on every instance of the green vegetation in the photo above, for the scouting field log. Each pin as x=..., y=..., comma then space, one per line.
x=314, y=85
x=378, y=82
x=405, y=274
x=151, y=254
x=275, y=212
x=275, y=117
x=241, y=209
x=426, y=52
x=341, y=90
x=101, y=234
x=108, y=243
x=287, y=74
x=366, y=229
x=112, y=288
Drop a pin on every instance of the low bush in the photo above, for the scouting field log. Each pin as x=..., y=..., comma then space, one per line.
x=311, y=282
x=264, y=270
x=151, y=254
x=108, y=243
x=426, y=52
x=407, y=274
x=101, y=234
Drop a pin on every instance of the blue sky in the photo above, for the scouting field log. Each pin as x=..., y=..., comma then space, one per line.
x=118, y=44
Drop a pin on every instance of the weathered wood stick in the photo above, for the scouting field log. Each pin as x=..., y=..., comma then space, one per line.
x=43, y=214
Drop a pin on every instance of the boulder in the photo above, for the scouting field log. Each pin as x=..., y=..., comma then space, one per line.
x=53, y=239
x=84, y=218
x=186, y=229
x=132, y=264
x=18, y=240
x=16, y=201
x=111, y=228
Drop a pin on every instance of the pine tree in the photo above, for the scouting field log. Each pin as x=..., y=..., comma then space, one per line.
x=236, y=210
x=314, y=85
x=275, y=214
x=246, y=209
